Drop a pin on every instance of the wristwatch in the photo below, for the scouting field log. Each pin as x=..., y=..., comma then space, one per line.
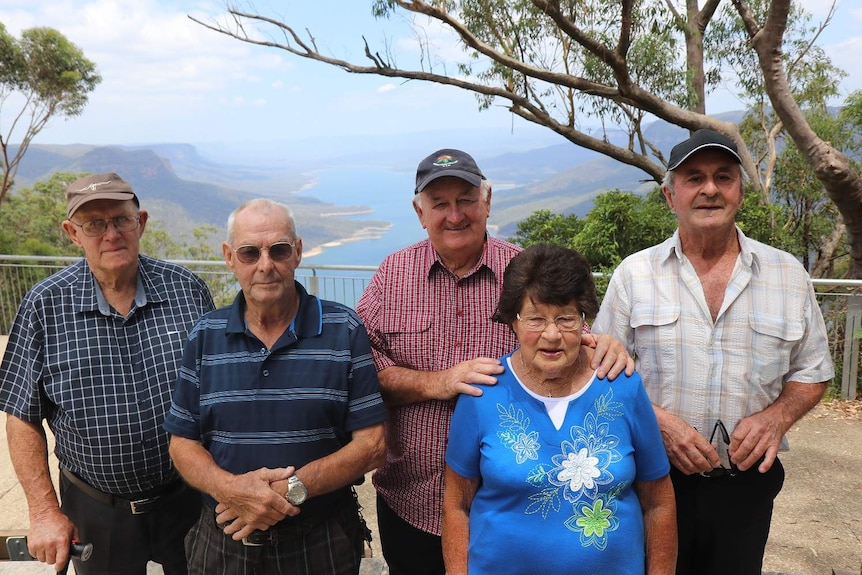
x=296, y=491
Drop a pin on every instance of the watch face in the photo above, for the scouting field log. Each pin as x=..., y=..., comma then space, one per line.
x=296, y=491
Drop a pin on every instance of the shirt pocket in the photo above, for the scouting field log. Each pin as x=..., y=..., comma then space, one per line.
x=408, y=335
x=773, y=340
x=657, y=337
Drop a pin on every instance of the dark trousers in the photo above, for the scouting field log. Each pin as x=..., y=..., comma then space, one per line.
x=407, y=550
x=723, y=522
x=123, y=543
x=330, y=544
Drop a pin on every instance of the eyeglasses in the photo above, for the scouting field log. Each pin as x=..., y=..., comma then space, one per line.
x=278, y=252
x=96, y=228
x=537, y=323
x=725, y=437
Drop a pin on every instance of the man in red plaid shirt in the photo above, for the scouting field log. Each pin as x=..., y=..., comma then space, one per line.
x=428, y=311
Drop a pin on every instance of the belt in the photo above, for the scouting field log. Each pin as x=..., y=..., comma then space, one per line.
x=291, y=531
x=719, y=472
x=136, y=506
x=296, y=527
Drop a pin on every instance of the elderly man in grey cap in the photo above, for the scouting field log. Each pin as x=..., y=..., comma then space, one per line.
x=732, y=349
x=94, y=351
x=429, y=313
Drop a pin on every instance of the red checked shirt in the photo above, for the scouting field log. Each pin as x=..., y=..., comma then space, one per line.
x=422, y=317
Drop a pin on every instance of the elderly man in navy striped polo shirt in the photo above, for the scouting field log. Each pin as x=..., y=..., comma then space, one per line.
x=276, y=413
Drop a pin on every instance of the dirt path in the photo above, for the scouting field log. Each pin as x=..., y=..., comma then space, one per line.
x=817, y=523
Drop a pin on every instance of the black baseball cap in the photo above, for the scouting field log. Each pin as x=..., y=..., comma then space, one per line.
x=448, y=162
x=701, y=140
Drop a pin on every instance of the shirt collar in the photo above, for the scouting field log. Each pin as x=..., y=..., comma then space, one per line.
x=308, y=321
x=91, y=297
x=431, y=260
x=105, y=308
x=673, y=248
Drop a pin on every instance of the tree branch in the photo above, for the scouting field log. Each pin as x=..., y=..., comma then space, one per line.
x=832, y=168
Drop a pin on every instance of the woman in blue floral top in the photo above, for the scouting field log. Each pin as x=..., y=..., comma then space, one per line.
x=553, y=470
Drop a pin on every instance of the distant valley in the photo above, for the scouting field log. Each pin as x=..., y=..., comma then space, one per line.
x=184, y=186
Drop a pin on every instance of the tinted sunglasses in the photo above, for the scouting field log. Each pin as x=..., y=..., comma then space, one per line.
x=278, y=252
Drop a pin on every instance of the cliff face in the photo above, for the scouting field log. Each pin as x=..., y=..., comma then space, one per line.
x=204, y=194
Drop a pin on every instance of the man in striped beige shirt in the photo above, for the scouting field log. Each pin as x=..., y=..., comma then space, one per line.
x=732, y=348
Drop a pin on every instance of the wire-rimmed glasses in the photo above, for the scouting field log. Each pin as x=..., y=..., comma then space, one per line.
x=537, y=323
x=96, y=228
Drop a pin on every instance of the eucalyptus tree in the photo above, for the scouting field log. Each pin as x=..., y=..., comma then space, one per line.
x=42, y=75
x=563, y=64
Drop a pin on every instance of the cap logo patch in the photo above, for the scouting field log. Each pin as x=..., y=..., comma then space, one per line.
x=92, y=187
x=445, y=161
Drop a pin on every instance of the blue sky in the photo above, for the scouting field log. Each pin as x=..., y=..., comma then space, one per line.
x=168, y=79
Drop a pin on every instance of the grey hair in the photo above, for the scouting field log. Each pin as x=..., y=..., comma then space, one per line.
x=268, y=206
x=484, y=192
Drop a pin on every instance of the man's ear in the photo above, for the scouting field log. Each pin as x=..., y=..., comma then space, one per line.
x=227, y=254
x=298, y=248
x=72, y=231
x=143, y=218
x=668, y=196
x=417, y=207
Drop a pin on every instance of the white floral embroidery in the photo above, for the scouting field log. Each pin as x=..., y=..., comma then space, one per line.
x=579, y=474
x=580, y=470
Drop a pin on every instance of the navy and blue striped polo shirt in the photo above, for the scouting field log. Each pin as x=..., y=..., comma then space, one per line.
x=254, y=407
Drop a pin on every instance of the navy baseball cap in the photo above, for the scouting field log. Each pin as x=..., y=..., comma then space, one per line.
x=448, y=162
x=701, y=140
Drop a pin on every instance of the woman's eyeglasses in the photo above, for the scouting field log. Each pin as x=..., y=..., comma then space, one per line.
x=278, y=252
x=96, y=228
x=538, y=323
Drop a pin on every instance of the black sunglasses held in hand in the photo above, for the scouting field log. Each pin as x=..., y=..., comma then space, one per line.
x=278, y=252
x=725, y=437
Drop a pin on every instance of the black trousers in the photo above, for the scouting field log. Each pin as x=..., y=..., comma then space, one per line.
x=407, y=550
x=723, y=522
x=123, y=543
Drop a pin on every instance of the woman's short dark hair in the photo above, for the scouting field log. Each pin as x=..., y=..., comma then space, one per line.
x=547, y=274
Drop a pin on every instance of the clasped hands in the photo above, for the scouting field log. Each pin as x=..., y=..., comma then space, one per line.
x=754, y=437
x=254, y=501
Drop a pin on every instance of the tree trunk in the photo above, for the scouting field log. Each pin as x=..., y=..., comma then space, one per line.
x=831, y=167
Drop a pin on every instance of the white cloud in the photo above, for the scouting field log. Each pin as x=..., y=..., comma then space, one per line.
x=146, y=50
x=388, y=87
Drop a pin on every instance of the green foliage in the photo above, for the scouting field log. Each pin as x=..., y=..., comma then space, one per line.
x=30, y=219
x=622, y=223
x=54, y=79
x=57, y=73
x=544, y=227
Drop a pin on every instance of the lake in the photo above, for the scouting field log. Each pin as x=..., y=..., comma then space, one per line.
x=389, y=194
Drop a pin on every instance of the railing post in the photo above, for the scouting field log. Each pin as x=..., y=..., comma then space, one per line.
x=850, y=371
x=313, y=284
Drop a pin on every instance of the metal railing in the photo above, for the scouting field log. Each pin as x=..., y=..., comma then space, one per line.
x=840, y=300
